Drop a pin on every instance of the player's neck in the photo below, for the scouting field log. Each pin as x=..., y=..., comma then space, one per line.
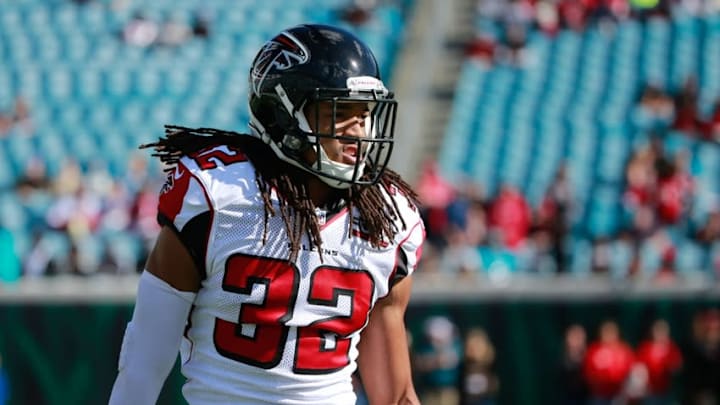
x=320, y=193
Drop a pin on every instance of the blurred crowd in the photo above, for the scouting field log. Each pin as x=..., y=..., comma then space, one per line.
x=469, y=232
x=504, y=25
x=84, y=221
x=475, y=231
x=16, y=119
x=459, y=368
x=172, y=31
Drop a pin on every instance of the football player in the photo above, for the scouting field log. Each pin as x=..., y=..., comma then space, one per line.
x=284, y=257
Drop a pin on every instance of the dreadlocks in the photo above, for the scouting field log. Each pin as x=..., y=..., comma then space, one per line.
x=378, y=215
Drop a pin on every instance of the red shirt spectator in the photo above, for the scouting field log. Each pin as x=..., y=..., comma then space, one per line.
x=674, y=187
x=686, y=107
x=510, y=214
x=573, y=14
x=608, y=363
x=711, y=129
x=671, y=198
x=482, y=48
x=436, y=194
x=661, y=357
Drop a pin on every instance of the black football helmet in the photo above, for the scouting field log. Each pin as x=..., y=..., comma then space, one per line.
x=309, y=64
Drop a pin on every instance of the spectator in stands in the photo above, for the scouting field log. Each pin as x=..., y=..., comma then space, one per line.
x=466, y=196
x=137, y=173
x=702, y=371
x=655, y=110
x=515, y=39
x=22, y=119
x=573, y=14
x=466, y=230
x=140, y=31
x=691, y=7
x=538, y=255
x=641, y=181
x=18, y=118
x=571, y=381
x=482, y=48
x=555, y=214
x=358, y=12
x=202, y=22
x=78, y=262
x=143, y=217
x=674, y=189
x=608, y=11
x=601, y=255
x=438, y=362
x=116, y=209
x=709, y=231
x=5, y=123
x=37, y=261
x=687, y=115
x=33, y=179
x=77, y=213
x=636, y=385
x=662, y=360
x=492, y=10
x=435, y=194
x=510, y=216
x=460, y=257
x=476, y=226
x=547, y=17
x=174, y=32
x=644, y=9
x=478, y=383
x=712, y=127
x=607, y=365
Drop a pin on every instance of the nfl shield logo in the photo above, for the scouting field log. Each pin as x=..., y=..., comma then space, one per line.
x=321, y=216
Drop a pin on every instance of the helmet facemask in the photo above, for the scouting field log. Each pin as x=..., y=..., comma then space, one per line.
x=316, y=118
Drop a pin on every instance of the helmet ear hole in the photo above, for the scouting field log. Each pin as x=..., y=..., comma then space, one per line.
x=274, y=118
x=284, y=120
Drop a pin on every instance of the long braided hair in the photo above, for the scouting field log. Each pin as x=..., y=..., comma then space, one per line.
x=378, y=214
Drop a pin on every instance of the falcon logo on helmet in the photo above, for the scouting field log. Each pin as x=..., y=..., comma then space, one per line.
x=280, y=53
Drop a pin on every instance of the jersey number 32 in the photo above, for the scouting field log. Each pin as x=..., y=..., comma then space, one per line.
x=271, y=285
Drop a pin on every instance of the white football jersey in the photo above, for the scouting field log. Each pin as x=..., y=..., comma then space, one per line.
x=264, y=329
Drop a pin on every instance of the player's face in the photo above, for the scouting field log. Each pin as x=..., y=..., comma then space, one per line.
x=350, y=121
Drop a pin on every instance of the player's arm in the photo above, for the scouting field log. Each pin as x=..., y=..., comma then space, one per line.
x=152, y=339
x=384, y=361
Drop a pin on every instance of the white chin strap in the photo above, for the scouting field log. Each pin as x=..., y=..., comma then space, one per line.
x=341, y=170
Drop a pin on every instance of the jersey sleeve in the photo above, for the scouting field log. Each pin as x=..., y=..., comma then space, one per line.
x=409, y=242
x=410, y=250
x=185, y=207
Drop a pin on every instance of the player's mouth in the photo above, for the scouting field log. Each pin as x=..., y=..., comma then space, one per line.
x=349, y=154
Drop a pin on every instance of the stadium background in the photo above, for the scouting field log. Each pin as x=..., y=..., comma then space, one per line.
x=489, y=96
